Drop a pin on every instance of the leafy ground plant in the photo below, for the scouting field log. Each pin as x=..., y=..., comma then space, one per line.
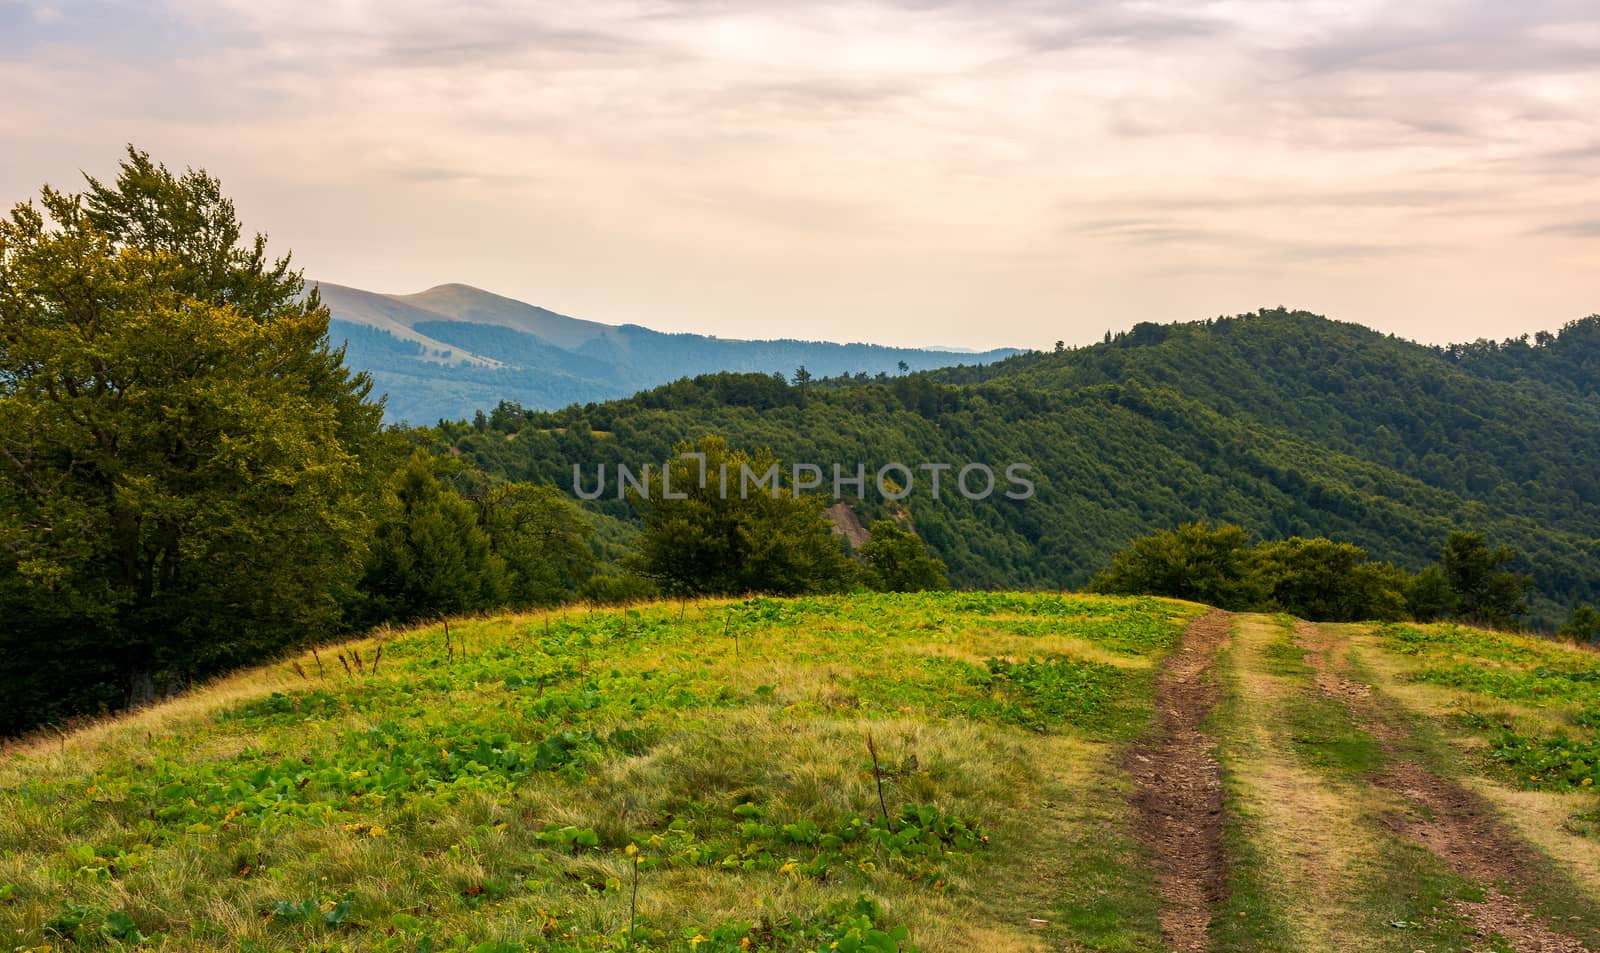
x=498, y=787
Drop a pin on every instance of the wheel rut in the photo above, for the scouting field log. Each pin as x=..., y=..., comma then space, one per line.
x=1450, y=821
x=1178, y=788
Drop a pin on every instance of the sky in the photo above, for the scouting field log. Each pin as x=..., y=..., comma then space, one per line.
x=971, y=173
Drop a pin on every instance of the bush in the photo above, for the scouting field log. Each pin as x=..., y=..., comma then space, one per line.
x=894, y=560
x=1196, y=561
x=1583, y=626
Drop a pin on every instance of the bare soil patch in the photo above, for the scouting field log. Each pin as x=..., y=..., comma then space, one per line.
x=1178, y=790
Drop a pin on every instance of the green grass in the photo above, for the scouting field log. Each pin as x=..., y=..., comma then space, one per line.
x=1549, y=734
x=497, y=789
x=1549, y=890
x=1324, y=738
x=1311, y=864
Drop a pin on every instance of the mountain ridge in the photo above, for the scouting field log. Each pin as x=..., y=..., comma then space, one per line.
x=452, y=350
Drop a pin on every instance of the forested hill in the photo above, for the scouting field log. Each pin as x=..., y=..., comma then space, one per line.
x=1284, y=422
x=1513, y=425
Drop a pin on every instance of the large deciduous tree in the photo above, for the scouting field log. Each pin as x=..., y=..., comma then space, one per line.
x=186, y=466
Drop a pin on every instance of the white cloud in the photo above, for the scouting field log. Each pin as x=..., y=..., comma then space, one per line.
x=977, y=171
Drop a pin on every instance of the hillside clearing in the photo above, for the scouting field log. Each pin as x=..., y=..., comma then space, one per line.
x=1058, y=772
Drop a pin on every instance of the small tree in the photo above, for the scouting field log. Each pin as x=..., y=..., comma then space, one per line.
x=894, y=560
x=1583, y=626
x=728, y=533
x=1485, y=591
x=1196, y=561
x=430, y=557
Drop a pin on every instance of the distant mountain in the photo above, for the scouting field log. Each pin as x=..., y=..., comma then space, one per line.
x=452, y=350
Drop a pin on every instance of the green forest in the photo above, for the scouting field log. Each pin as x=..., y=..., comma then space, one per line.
x=1284, y=423
x=192, y=478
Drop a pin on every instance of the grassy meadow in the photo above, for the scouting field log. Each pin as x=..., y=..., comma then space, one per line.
x=496, y=786
x=943, y=772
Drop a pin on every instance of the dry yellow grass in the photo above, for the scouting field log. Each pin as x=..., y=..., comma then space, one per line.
x=1542, y=818
x=1311, y=835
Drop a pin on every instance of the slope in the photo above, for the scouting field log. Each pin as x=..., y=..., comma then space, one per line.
x=1351, y=389
x=469, y=305
x=762, y=775
x=1286, y=423
x=945, y=772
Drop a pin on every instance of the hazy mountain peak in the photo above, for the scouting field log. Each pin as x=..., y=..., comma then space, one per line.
x=453, y=349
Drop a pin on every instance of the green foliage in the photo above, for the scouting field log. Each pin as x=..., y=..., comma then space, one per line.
x=894, y=560
x=918, y=841
x=1284, y=423
x=1541, y=761
x=1429, y=596
x=542, y=539
x=1196, y=561
x=329, y=913
x=711, y=526
x=186, y=468
x=1041, y=695
x=1485, y=591
x=1583, y=626
x=494, y=794
x=1313, y=578
x=442, y=550
x=431, y=557
x=846, y=926
x=1329, y=581
x=1542, y=676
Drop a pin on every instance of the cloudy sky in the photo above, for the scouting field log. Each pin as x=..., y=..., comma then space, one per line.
x=962, y=172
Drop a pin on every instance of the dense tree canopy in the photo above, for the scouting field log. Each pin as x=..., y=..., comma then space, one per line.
x=1584, y=625
x=1315, y=578
x=1336, y=582
x=1196, y=561
x=185, y=466
x=1284, y=423
x=431, y=556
